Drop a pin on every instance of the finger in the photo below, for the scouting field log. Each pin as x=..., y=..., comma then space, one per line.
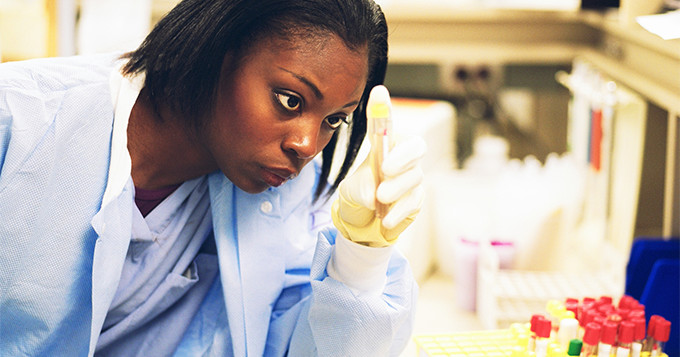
x=404, y=155
x=393, y=188
x=405, y=207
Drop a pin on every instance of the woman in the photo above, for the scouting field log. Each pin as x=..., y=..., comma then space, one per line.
x=161, y=204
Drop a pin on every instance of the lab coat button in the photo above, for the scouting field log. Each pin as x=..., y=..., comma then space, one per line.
x=266, y=207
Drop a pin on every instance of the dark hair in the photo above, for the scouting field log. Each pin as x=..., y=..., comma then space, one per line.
x=182, y=56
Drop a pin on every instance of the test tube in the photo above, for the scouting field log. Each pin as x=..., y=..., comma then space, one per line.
x=380, y=128
x=650, y=342
x=534, y=322
x=626, y=337
x=591, y=338
x=543, y=337
x=607, y=339
x=661, y=334
x=639, y=338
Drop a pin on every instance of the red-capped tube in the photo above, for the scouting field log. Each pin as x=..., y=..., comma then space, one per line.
x=531, y=343
x=605, y=308
x=615, y=317
x=605, y=300
x=661, y=333
x=650, y=342
x=573, y=307
x=607, y=339
x=543, y=329
x=639, y=329
x=623, y=313
x=571, y=300
x=639, y=338
x=625, y=338
x=635, y=314
x=591, y=338
x=626, y=301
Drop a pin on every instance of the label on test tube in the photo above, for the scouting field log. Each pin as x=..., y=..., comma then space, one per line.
x=379, y=116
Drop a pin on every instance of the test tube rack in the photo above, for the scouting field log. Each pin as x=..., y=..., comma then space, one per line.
x=506, y=296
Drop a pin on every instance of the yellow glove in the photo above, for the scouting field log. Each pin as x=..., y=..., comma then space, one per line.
x=353, y=211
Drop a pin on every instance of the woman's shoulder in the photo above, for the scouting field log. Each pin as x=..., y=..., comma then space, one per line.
x=49, y=75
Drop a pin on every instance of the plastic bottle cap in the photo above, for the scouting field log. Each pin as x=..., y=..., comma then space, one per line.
x=639, y=328
x=608, y=333
x=544, y=327
x=662, y=330
x=626, y=332
x=592, y=333
x=575, y=346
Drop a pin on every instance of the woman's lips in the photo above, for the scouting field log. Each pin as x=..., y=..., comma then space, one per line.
x=276, y=177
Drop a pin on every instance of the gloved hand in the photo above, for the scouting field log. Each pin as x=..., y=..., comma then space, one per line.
x=353, y=211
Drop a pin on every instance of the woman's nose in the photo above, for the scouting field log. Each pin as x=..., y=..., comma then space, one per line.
x=303, y=140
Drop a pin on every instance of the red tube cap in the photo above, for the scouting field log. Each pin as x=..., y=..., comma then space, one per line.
x=592, y=333
x=606, y=300
x=639, y=328
x=623, y=313
x=626, y=332
x=543, y=329
x=534, y=321
x=608, y=333
x=573, y=307
x=626, y=301
x=636, y=314
x=652, y=324
x=662, y=330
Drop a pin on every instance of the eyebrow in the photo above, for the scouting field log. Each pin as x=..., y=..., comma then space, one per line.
x=313, y=87
x=307, y=82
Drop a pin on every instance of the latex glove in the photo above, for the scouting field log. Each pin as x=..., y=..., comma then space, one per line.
x=353, y=211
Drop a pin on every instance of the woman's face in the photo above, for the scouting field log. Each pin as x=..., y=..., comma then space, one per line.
x=281, y=107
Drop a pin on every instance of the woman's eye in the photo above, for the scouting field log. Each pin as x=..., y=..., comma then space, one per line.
x=289, y=102
x=335, y=122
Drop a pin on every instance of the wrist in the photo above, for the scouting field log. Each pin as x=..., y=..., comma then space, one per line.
x=362, y=268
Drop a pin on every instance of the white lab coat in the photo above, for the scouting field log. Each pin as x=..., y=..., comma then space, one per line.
x=65, y=224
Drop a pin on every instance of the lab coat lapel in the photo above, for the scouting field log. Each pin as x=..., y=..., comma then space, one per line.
x=222, y=206
x=113, y=224
x=252, y=267
x=261, y=252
